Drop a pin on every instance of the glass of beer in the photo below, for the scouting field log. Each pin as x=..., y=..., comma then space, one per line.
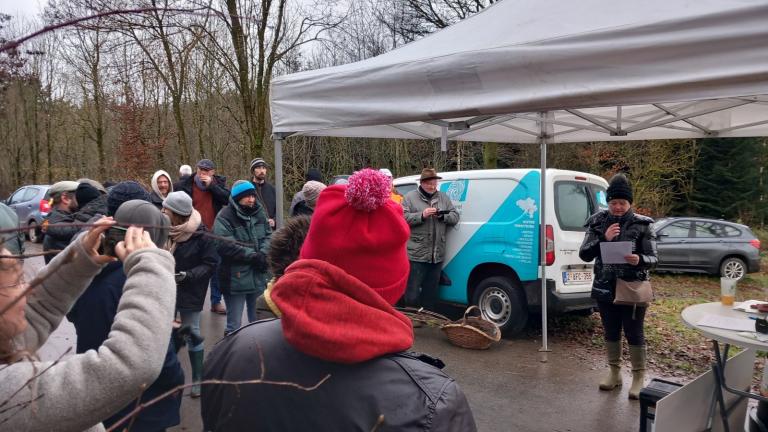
x=727, y=291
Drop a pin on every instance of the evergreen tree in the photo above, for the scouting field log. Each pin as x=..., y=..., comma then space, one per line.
x=728, y=180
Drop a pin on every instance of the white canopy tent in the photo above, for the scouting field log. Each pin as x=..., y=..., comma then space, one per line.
x=533, y=71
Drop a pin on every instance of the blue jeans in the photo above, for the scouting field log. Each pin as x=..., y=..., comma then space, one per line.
x=215, y=292
x=235, y=305
x=192, y=319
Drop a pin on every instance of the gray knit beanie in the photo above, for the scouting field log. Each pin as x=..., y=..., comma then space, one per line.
x=311, y=191
x=178, y=202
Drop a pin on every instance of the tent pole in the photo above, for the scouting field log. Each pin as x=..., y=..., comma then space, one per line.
x=543, y=136
x=279, y=181
x=444, y=138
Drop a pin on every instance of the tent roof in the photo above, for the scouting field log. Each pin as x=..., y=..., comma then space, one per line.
x=602, y=70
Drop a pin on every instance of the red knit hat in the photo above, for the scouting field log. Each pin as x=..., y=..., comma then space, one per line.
x=358, y=228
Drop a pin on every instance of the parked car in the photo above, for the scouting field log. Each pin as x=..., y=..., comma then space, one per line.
x=31, y=204
x=339, y=179
x=700, y=245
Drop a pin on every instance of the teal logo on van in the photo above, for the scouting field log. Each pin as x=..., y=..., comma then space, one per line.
x=509, y=237
x=456, y=190
x=600, y=197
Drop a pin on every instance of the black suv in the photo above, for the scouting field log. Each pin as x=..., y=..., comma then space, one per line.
x=711, y=246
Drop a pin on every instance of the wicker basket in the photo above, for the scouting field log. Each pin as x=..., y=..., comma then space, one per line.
x=473, y=332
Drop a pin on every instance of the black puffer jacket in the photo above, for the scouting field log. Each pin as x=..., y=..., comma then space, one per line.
x=96, y=207
x=411, y=394
x=58, y=233
x=198, y=258
x=635, y=228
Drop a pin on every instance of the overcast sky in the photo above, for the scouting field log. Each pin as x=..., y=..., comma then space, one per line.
x=28, y=8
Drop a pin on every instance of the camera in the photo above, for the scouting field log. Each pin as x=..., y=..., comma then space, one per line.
x=443, y=212
x=112, y=237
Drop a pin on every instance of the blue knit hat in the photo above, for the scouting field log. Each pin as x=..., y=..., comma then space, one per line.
x=242, y=188
x=122, y=192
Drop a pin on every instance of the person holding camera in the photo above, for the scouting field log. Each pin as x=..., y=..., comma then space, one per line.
x=429, y=213
x=196, y=259
x=243, y=271
x=77, y=392
x=95, y=313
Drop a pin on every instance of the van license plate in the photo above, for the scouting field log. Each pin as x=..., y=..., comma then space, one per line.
x=575, y=277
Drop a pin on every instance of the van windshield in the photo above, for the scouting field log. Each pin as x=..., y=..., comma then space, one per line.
x=575, y=202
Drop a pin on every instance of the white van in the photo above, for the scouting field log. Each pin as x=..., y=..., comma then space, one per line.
x=492, y=253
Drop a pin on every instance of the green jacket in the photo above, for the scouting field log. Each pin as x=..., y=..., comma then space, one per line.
x=239, y=272
x=427, y=242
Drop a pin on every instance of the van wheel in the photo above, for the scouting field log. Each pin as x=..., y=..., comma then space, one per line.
x=503, y=303
x=733, y=268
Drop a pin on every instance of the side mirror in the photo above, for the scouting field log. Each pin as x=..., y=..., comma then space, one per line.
x=660, y=235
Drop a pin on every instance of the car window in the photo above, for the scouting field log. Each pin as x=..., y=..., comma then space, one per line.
x=29, y=194
x=405, y=188
x=599, y=193
x=730, y=231
x=572, y=205
x=676, y=229
x=17, y=196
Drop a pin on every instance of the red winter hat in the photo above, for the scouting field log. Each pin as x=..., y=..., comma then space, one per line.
x=358, y=228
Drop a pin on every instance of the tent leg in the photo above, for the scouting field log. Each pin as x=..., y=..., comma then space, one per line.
x=543, y=235
x=279, y=181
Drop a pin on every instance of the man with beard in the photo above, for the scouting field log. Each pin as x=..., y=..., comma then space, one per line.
x=209, y=194
x=161, y=187
x=58, y=233
x=265, y=192
x=243, y=269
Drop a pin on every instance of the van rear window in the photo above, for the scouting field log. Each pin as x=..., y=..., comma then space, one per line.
x=575, y=202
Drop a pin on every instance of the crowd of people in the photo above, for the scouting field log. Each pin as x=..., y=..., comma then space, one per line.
x=131, y=268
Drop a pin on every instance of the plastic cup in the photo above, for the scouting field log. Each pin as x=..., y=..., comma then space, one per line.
x=727, y=291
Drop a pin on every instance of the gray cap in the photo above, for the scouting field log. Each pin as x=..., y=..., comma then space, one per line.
x=100, y=187
x=178, y=202
x=63, y=186
x=14, y=240
x=143, y=213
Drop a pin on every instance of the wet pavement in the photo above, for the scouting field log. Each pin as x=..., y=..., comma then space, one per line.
x=508, y=386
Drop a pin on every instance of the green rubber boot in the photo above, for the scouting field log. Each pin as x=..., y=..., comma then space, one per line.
x=196, y=361
x=612, y=377
x=637, y=357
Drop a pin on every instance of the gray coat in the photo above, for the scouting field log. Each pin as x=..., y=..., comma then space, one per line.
x=79, y=391
x=427, y=242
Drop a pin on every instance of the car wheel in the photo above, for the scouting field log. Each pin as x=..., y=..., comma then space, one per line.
x=33, y=232
x=733, y=268
x=502, y=302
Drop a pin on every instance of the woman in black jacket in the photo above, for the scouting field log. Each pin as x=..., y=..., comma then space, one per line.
x=620, y=223
x=196, y=259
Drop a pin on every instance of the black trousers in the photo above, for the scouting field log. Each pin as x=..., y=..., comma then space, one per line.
x=617, y=317
x=422, y=288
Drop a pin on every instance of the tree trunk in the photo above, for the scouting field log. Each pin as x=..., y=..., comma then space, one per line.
x=490, y=155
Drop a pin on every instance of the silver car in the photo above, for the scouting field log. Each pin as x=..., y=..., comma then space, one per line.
x=700, y=245
x=31, y=205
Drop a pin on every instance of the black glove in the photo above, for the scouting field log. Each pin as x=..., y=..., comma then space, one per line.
x=180, y=276
x=259, y=261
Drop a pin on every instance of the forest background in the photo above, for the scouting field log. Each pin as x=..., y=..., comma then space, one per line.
x=173, y=81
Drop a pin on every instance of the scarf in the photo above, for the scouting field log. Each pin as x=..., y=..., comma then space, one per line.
x=202, y=185
x=181, y=233
x=426, y=194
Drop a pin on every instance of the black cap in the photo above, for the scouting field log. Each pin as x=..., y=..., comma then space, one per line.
x=206, y=164
x=258, y=162
x=619, y=188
